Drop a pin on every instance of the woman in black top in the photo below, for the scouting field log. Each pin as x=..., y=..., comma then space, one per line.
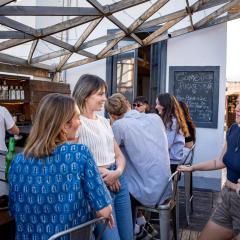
x=224, y=223
x=191, y=139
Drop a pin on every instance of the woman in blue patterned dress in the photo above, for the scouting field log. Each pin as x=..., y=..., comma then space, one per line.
x=55, y=184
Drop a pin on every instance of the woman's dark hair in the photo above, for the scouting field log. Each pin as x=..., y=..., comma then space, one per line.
x=189, y=121
x=140, y=99
x=172, y=109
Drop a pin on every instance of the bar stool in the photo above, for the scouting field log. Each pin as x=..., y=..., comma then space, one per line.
x=80, y=232
x=188, y=189
x=167, y=210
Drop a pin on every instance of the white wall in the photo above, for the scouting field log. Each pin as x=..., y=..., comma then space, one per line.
x=206, y=47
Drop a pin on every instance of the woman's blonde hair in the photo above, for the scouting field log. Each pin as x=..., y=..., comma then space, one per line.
x=53, y=112
x=117, y=104
x=87, y=85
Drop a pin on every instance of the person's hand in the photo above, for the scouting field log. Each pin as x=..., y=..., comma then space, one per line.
x=109, y=176
x=110, y=221
x=115, y=187
x=185, y=168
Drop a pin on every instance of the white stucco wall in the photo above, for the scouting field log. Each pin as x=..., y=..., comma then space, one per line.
x=204, y=48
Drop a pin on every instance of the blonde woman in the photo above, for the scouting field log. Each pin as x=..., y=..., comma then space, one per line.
x=171, y=113
x=53, y=182
x=96, y=133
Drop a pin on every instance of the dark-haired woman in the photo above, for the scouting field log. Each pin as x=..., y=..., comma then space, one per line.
x=54, y=184
x=97, y=134
x=169, y=110
x=225, y=220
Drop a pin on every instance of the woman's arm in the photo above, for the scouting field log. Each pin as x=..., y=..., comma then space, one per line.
x=214, y=164
x=110, y=177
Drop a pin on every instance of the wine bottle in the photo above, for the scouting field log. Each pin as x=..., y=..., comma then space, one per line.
x=10, y=155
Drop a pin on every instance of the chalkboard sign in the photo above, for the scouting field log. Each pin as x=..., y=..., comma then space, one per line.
x=198, y=87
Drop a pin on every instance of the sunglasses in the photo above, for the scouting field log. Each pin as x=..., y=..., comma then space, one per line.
x=137, y=105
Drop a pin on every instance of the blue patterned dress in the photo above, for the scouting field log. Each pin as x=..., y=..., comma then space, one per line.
x=55, y=193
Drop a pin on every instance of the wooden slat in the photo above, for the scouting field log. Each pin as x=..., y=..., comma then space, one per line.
x=21, y=70
x=31, y=52
x=5, y=58
x=17, y=26
x=65, y=25
x=161, y=30
x=189, y=11
x=47, y=11
x=80, y=41
x=147, y=14
x=14, y=35
x=12, y=43
x=49, y=56
x=121, y=5
x=215, y=14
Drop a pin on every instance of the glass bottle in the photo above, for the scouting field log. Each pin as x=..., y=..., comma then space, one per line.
x=5, y=91
x=10, y=155
x=12, y=93
x=21, y=93
x=17, y=92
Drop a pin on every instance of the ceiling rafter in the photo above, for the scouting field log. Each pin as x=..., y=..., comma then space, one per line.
x=161, y=33
x=22, y=33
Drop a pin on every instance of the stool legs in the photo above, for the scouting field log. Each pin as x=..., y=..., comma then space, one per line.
x=188, y=194
x=164, y=223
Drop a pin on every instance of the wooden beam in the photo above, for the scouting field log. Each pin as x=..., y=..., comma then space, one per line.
x=215, y=14
x=121, y=5
x=198, y=6
x=12, y=43
x=68, y=24
x=147, y=14
x=5, y=2
x=78, y=63
x=8, y=22
x=164, y=36
x=47, y=11
x=115, y=21
x=20, y=70
x=161, y=30
x=189, y=11
x=80, y=41
x=31, y=52
x=5, y=58
x=14, y=35
x=50, y=56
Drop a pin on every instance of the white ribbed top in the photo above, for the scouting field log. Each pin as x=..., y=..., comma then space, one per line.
x=98, y=136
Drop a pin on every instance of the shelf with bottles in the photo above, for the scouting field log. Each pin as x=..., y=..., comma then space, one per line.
x=12, y=90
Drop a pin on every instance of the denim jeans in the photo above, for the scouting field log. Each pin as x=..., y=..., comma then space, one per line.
x=121, y=206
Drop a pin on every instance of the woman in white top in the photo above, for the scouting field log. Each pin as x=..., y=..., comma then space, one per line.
x=96, y=133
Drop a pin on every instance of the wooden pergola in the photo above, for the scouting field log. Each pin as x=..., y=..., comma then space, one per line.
x=20, y=34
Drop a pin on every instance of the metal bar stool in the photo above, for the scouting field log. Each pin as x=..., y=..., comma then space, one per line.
x=81, y=232
x=167, y=210
x=188, y=184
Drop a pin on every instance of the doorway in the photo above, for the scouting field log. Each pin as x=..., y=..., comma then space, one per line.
x=140, y=72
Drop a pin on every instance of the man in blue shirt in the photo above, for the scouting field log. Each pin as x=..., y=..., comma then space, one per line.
x=143, y=140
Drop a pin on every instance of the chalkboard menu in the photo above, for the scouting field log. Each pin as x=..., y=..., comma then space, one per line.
x=198, y=87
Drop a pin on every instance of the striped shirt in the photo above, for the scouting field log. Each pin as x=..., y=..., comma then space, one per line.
x=98, y=136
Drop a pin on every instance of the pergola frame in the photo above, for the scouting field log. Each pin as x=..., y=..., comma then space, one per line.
x=93, y=15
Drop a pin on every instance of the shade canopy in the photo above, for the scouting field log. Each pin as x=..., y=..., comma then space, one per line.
x=58, y=35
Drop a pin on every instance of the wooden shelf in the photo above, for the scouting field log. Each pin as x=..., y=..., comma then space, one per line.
x=13, y=101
